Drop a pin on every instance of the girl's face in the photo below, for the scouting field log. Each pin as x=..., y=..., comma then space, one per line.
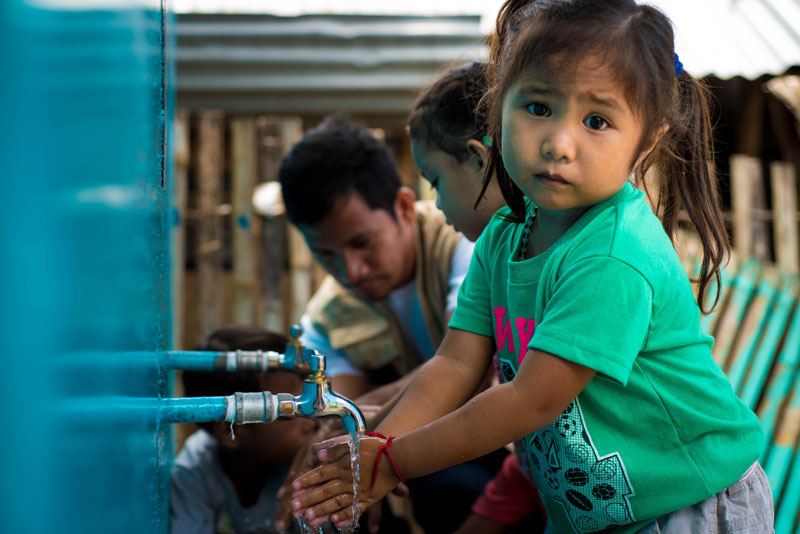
x=457, y=185
x=569, y=143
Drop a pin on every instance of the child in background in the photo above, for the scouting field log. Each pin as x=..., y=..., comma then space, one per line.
x=450, y=144
x=619, y=414
x=226, y=483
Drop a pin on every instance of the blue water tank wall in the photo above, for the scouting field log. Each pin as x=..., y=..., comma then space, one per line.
x=84, y=284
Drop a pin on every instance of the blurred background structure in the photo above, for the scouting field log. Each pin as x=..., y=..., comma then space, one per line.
x=266, y=71
x=135, y=140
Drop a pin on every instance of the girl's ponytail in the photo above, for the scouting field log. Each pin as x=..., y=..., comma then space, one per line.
x=512, y=14
x=689, y=181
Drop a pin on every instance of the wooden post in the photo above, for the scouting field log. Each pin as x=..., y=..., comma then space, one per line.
x=301, y=260
x=208, y=246
x=784, y=208
x=747, y=198
x=275, y=137
x=180, y=184
x=748, y=138
x=301, y=273
x=787, y=88
x=244, y=173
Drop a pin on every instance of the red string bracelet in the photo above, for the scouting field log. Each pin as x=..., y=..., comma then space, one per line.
x=384, y=448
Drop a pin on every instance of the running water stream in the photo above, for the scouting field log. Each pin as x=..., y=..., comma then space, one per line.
x=355, y=461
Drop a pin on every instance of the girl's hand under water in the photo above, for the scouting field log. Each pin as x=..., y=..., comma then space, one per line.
x=326, y=493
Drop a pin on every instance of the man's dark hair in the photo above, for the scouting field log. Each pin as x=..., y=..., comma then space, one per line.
x=336, y=158
x=223, y=383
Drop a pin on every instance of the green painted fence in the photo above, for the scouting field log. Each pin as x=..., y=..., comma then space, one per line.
x=757, y=343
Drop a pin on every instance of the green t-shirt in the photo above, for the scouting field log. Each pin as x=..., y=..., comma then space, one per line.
x=659, y=427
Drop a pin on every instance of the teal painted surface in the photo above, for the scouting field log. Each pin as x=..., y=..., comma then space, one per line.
x=784, y=375
x=742, y=288
x=740, y=363
x=787, y=517
x=83, y=277
x=192, y=359
x=767, y=348
x=193, y=410
x=708, y=321
x=786, y=487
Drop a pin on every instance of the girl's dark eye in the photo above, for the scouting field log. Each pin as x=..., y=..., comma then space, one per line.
x=595, y=123
x=434, y=183
x=538, y=109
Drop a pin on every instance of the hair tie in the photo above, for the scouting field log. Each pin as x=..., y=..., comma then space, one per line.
x=487, y=141
x=678, y=65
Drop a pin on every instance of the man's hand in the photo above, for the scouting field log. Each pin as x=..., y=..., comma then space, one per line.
x=303, y=461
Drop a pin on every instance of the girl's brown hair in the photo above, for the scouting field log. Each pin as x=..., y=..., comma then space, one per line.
x=446, y=115
x=637, y=43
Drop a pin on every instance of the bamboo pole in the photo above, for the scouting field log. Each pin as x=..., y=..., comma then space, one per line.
x=208, y=245
x=276, y=137
x=784, y=205
x=747, y=194
x=244, y=173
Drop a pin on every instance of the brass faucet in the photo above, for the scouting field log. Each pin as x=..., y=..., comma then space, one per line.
x=317, y=399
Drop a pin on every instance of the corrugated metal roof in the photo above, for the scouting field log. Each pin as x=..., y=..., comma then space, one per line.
x=728, y=38
x=317, y=64
x=374, y=64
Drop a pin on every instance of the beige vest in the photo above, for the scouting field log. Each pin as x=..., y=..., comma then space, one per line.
x=368, y=333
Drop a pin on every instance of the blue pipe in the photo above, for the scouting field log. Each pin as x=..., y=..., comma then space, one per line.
x=194, y=360
x=194, y=409
x=240, y=360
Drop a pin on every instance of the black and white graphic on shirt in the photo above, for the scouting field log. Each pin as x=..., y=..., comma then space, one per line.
x=507, y=370
x=593, y=490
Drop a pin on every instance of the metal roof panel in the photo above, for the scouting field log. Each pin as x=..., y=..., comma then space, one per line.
x=221, y=57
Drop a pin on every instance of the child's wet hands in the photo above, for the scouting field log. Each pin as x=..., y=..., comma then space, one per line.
x=304, y=460
x=327, y=491
x=331, y=450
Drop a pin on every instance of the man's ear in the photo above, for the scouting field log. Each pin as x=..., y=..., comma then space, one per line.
x=222, y=431
x=404, y=205
x=478, y=152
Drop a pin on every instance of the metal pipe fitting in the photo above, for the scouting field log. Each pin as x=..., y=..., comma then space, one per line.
x=255, y=407
x=296, y=358
x=317, y=399
x=239, y=360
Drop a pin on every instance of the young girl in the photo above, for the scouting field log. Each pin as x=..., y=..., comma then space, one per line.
x=449, y=142
x=617, y=410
